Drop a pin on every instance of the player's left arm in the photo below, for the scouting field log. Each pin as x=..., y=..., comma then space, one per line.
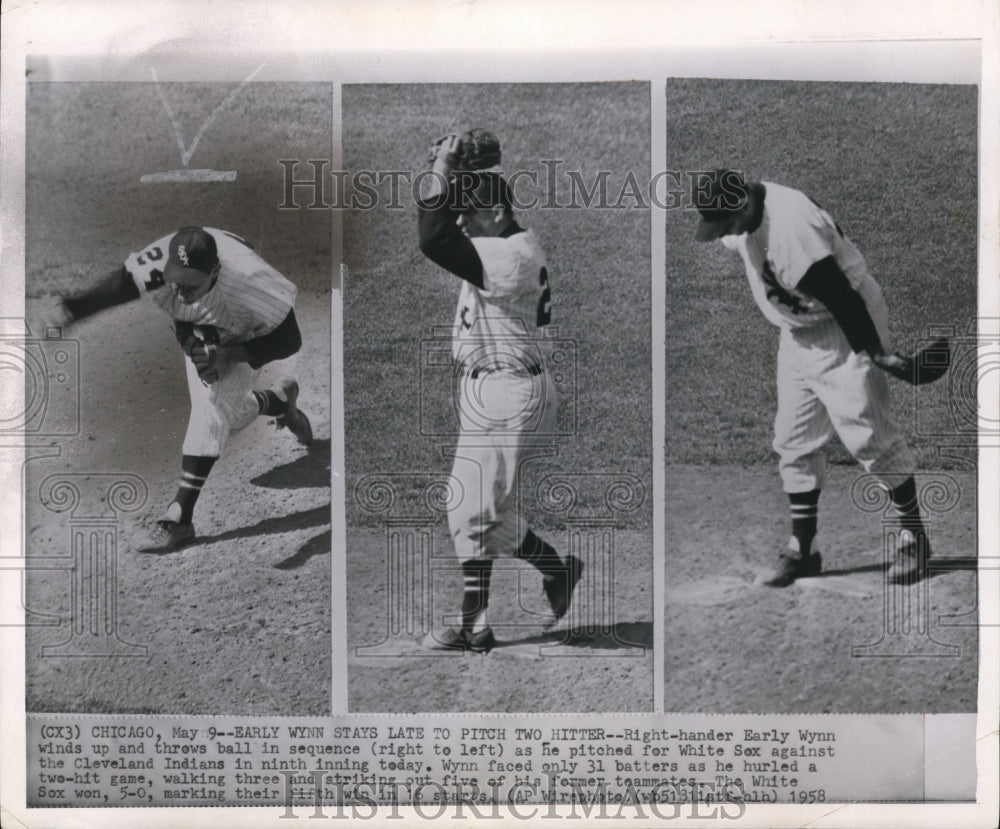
x=282, y=342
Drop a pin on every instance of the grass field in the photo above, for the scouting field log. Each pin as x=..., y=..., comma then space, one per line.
x=896, y=166
x=393, y=299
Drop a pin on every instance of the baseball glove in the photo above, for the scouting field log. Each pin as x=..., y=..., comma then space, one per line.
x=184, y=331
x=208, y=360
x=476, y=149
x=926, y=365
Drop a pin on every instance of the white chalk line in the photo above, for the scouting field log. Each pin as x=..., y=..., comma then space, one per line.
x=187, y=152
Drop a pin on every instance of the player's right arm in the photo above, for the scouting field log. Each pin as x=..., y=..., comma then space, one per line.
x=60, y=311
x=826, y=282
x=140, y=272
x=442, y=241
x=115, y=289
x=812, y=269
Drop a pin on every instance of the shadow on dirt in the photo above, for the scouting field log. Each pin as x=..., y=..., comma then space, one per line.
x=311, y=470
x=624, y=635
x=316, y=546
x=316, y=517
x=846, y=571
x=936, y=566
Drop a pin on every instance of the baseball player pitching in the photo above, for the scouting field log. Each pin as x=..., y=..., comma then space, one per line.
x=810, y=281
x=505, y=397
x=232, y=314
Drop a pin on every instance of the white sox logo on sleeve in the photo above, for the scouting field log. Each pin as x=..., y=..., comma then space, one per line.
x=780, y=294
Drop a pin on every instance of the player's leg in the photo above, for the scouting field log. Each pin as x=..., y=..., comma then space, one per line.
x=194, y=472
x=207, y=432
x=559, y=577
x=216, y=411
x=857, y=397
x=476, y=576
x=507, y=532
x=285, y=411
x=528, y=440
x=913, y=548
x=801, y=431
x=473, y=632
x=470, y=517
x=804, y=509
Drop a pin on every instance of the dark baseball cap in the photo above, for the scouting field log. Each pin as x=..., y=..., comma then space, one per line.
x=480, y=148
x=718, y=196
x=192, y=256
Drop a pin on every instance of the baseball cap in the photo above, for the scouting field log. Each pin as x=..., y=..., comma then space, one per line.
x=480, y=149
x=725, y=195
x=192, y=255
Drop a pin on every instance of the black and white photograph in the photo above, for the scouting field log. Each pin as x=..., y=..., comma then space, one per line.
x=177, y=472
x=821, y=427
x=498, y=397
x=495, y=413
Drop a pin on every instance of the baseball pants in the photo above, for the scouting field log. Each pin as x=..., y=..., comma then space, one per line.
x=507, y=419
x=824, y=387
x=225, y=406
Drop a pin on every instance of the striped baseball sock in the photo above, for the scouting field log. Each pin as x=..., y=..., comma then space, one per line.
x=804, y=507
x=539, y=554
x=906, y=509
x=476, y=574
x=268, y=403
x=194, y=471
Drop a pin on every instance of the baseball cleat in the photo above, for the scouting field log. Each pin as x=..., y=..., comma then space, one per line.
x=559, y=588
x=165, y=536
x=454, y=639
x=294, y=420
x=910, y=564
x=791, y=566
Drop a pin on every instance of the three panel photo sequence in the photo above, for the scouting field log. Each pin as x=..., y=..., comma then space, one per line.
x=535, y=514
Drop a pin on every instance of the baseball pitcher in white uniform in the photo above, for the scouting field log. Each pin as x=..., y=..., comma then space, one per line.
x=233, y=313
x=505, y=397
x=808, y=279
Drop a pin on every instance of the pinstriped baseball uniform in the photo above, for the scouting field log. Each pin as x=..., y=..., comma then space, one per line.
x=249, y=299
x=823, y=385
x=506, y=398
x=514, y=302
